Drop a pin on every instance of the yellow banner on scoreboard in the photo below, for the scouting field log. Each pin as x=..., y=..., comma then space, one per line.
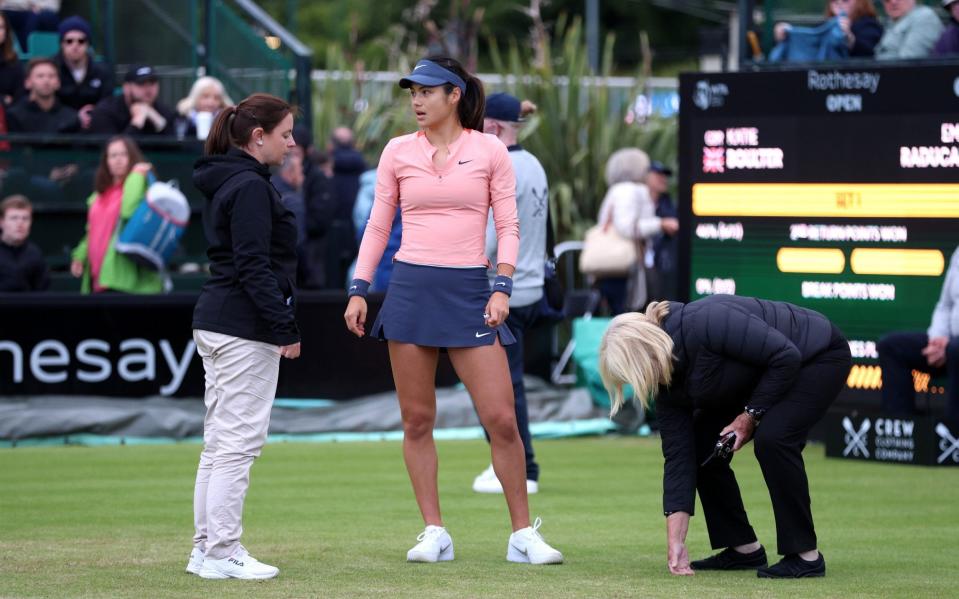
x=829, y=200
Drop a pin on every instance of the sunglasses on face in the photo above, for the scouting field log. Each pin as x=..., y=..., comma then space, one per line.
x=74, y=40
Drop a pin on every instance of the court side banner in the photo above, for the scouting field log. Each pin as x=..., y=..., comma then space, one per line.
x=142, y=346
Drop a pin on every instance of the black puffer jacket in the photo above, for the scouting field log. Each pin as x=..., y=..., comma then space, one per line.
x=252, y=237
x=730, y=351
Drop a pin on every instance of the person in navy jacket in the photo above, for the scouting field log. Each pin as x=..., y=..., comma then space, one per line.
x=765, y=371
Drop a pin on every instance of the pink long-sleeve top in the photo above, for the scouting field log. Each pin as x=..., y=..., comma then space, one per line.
x=445, y=210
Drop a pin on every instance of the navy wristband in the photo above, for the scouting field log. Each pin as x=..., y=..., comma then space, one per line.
x=503, y=284
x=359, y=287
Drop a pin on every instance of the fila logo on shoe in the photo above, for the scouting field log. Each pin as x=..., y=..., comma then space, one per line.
x=236, y=561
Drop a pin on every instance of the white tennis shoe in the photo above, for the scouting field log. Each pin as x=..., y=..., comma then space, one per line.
x=239, y=565
x=487, y=482
x=527, y=546
x=435, y=545
x=196, y=562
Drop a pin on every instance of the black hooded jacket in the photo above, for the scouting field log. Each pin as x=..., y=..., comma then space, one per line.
x=729, y=352
x=252, y=237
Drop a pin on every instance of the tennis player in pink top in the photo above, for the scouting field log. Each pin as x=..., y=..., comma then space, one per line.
x=445, y=178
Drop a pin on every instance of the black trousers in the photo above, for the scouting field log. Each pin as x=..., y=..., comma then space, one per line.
x=519, y=321
x=778, y=443
x=899, y=354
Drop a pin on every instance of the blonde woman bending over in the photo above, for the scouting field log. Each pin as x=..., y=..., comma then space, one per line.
x=721, y=365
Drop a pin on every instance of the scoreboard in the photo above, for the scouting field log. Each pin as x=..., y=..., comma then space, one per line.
x=832, y=188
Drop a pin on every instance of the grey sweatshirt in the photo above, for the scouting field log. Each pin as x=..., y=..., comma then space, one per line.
x=945, y=318
x=532, y=203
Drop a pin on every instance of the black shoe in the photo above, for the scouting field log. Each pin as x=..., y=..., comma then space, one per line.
x=793, y=566
x=730, y=559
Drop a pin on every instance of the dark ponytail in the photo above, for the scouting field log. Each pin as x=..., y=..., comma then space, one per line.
x=234, y=125
x=472, y=106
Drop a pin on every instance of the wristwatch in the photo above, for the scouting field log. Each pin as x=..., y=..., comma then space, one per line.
x=755, y=413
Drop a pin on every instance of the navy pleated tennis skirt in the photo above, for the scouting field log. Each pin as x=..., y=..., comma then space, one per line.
x=436, y=306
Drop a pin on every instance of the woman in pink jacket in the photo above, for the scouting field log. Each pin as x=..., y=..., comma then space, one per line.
x=445, y=178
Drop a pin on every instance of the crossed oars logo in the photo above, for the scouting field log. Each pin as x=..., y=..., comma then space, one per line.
x=856, y=439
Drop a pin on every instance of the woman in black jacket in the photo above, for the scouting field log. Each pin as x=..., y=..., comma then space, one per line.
x=723, y=364
x=243, y=321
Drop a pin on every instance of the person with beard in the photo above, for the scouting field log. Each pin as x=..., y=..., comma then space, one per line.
x=137, y=111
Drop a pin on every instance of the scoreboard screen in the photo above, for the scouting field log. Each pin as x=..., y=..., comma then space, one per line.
x=832, y=188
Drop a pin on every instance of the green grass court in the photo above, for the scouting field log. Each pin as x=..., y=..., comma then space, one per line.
x=338, y=518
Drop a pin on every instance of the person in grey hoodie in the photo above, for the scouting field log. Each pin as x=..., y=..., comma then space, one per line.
x=912, y=31
x=503, y=115
x=935, y=351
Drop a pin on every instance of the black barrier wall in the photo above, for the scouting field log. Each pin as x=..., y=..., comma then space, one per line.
x=140, y=346
x=871, y=436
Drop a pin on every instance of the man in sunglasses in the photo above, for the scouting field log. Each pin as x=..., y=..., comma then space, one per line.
x=83, y=82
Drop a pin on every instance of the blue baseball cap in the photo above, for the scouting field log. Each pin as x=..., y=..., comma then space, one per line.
x=658, y=167
x=430, y=74
x=503, y=107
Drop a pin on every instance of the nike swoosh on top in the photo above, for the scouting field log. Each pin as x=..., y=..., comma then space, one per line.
x=419, y=67
x=353, y=287
x=503, y=284
x=478, y=335
x=465, y=161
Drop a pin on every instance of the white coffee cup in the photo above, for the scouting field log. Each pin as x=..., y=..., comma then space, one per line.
x=204, y=120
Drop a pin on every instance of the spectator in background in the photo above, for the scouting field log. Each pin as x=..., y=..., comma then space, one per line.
x=196, y=111
x=662, y=254
x=503, y=116
x=361, y=216
x=137, y=111
x=935, y=351
x=912, y=31
x=948, y=44
x=120, y=185
x=22, y=267
x=318, y=195
x=83, y=82
x=304, y=140
x=11, y=71
x=628, y=208
x=856, y=20
x=27, y=16
x=348, y=165
x=289, y=180
x=41, y=111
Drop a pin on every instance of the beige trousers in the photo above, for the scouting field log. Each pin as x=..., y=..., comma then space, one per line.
x=241, y=380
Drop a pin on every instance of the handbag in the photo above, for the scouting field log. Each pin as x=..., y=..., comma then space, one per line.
x=152, y=233
x=606, y=253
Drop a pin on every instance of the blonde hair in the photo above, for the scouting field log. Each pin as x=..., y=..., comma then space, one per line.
x=636, y=351
x=628, y=164
x=188, y=103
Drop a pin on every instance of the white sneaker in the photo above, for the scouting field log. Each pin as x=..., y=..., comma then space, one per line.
x=435, y=545
x=487, y=482
x=196, y=562
x=243, y=566
x=527, y=546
